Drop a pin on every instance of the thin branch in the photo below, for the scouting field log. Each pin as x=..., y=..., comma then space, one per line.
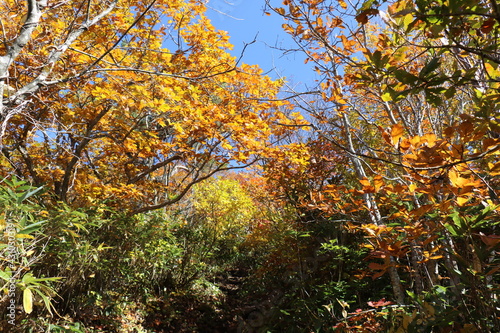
x=179, y=196
x=58, y=52
x=68, y=171
x=121, y=38
x=472, y=158
x=154, y=168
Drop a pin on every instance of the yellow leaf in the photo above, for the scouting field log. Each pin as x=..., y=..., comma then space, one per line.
x=24, y=236
x=397, y=132
x=386, y=97
x=436, y=257
x=415, y=141
x=28, y=300
x=456, y=180
x=492, y=72
x=462, y=200
x=161, y=122
x=430, y=139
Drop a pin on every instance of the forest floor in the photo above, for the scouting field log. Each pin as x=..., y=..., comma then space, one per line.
x=222, y=314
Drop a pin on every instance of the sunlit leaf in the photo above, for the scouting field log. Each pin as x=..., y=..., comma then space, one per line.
x=28, y=300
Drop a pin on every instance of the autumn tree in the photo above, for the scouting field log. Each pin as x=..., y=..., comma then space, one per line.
x=223, y=207
x=126, y=100
x=408, y=92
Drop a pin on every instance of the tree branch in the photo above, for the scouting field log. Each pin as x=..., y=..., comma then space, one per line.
x=57, y=52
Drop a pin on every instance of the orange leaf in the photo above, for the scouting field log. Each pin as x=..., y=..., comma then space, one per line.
x=364, y=182
x=378, y=181
x=405, y=144
x=397, y=132
x=466, y=128
x=435, y=257
x=456, y=180
x=385, y=135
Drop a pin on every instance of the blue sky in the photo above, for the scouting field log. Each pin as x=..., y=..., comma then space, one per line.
x=245, y=19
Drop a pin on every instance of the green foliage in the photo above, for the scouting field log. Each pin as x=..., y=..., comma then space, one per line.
x=22, y=247
x=115, y=269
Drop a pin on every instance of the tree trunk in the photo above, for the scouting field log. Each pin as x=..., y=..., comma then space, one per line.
x=374, y=213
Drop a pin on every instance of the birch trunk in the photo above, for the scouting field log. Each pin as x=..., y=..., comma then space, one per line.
x=373, y=212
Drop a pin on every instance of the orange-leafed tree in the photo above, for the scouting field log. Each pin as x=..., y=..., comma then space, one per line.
x=408, y=92
x=127, y=101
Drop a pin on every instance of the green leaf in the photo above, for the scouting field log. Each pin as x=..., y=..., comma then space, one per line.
x=432, y=98
x=26, y=195
x=45, y=299
x=405, y=77
x=450, y=92
x=407, y=21
x=14, y=182
x=441, y=290
x=37, y=280
x=32, y=228
x=452, y=229
x=24, y=188
x=429, y=68
x=28, y=278
x=5, y=275
x=480, y=220
x=375, y=58
x=454, y=5
x=367, y=5
x=12, y=194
